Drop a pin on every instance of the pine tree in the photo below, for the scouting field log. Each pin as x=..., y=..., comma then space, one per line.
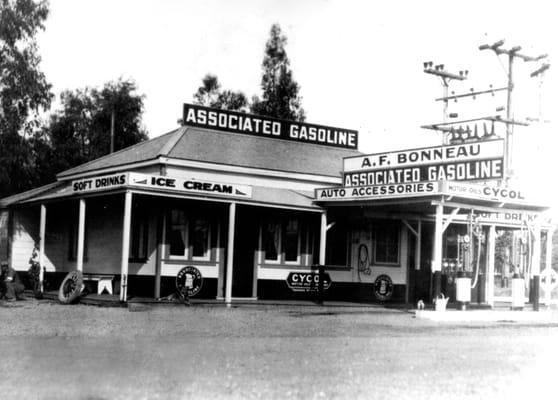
x=280, y=98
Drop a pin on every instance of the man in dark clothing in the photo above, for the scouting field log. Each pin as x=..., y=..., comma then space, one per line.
x=12, y=287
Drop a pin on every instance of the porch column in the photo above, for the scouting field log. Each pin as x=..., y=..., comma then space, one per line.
x=161, y=227
x=418, y=246
x=42, y=230
x=536, y=266
x=81, y=235
x=230, y=253
x=323, y=238
x=491, y=259
x=547, y=293
x=437, y=251
x=125, y=246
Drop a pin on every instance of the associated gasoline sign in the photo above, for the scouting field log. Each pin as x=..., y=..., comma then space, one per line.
x=249, y=124
x=474, y=170
x=307, y=281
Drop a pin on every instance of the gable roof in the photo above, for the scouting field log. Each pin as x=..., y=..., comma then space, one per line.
x=205, y=145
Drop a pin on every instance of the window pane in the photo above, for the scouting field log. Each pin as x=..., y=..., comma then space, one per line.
x=271, y=235
x=177, y=233
x=292, y=234
x=201, y=238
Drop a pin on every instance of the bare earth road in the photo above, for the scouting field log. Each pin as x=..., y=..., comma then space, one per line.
x=50, y=351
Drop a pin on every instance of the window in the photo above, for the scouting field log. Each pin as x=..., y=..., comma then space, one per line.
x=189, y=236
x=272, y=240
x=200, y=238
x=178, y=235
x=292, y=240
x=387, y=243
x=138, y=238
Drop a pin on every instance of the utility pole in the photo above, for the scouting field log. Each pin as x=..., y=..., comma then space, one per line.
x=446, y=77
x=512, y=54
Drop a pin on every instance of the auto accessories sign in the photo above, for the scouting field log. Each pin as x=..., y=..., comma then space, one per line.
x=307, y=281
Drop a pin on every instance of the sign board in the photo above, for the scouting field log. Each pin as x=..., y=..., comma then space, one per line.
x=255, y=125
x=482, y=192
x=189, y=185
x=134, y=179
x=189, y=280
x=475, y=170
x=307, y=281
x=99, y=183
x=482, y=150
x=407, y=190
x=383, y=287
x=376, y=192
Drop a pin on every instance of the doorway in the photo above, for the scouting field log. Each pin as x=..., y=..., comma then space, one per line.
x=245, y=247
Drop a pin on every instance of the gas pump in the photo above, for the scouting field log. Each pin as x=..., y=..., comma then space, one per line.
x=468, y=255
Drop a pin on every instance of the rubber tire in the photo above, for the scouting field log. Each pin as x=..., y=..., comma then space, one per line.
x=69, y=298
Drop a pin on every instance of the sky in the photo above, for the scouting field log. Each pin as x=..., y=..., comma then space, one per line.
x=359, y=64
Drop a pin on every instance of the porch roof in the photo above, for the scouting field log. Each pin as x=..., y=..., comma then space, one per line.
x=264, y=196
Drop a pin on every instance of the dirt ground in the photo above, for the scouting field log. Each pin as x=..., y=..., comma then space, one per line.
x=50, y=351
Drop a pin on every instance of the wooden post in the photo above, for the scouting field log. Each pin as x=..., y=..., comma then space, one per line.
x=323, y=238
x=547, y=293
x=230, y=253
x=536, y=266
x=42, y=233
x=161, y=224
x=418, y=246
x=491, y=259
x=437, y=251
x=81, y=235
x=125, y=246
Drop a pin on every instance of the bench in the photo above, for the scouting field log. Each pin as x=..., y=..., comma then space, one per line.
x=103, y=282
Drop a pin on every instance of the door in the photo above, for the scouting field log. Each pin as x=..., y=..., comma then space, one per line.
x=245, y=246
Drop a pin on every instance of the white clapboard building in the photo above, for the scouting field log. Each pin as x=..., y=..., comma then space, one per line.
x=251, y=205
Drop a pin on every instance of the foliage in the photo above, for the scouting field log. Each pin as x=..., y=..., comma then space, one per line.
x=24, y=90
x=211, y=95
x=280, y=98
x=80, y=131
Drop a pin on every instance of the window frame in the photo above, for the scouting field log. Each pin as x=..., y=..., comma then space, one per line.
x=379, y=229
x=207, y=255
x=279, y=248
x=298, y=241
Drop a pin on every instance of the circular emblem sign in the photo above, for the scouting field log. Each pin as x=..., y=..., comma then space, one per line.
x=383, y=287
x=189, y=279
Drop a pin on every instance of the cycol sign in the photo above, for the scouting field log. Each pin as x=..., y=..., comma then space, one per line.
x=307, y=281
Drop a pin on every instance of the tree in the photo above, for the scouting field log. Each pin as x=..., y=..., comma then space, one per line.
x=210, y=95
x=280, y=98
x=80, y=131
x=24, y=90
